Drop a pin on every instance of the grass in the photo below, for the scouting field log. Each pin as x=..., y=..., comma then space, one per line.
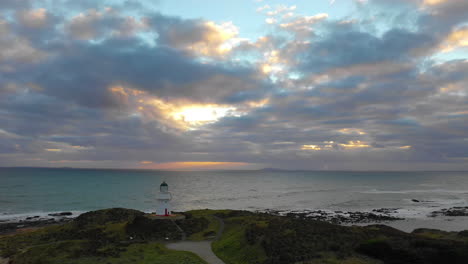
x=70, y=252
x=233, y=247
x=108, y=236
x=118, y=236
x=212, y=227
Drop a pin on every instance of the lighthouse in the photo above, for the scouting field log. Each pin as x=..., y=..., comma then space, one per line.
x=164, y=198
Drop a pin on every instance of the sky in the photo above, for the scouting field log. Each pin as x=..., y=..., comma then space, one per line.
x=248, y=84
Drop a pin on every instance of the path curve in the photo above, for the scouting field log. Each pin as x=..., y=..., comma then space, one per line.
x=201, y=248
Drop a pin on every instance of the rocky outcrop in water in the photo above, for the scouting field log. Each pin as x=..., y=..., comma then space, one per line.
x=454, y=211
x=343, y=217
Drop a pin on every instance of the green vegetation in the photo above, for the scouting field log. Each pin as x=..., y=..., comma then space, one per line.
x=267, y=239
x=204, y=222
x=105, y=236
x=128, y=236
x=71, y=252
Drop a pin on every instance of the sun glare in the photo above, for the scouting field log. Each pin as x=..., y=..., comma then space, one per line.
x=198, y=115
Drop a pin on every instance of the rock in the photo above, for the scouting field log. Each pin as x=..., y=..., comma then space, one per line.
x=454, y=211
x=340, y=217
x=61, y=214
x=415, y=200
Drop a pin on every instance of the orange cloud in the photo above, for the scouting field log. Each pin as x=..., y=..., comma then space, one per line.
x=405, y=147
x=355, y=144
x=311, y=147
x=196, y=165
x=433, y=2
x=53, y=150
x=218, y=39
x=350, y=131
x=456, y=39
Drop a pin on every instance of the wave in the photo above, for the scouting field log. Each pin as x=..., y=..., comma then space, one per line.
x=445, y=191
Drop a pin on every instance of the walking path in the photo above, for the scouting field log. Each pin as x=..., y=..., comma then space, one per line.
x=201, y=248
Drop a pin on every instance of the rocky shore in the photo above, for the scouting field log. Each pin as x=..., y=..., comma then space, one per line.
x=30, y=222
x=380, y=215
x=342, y=217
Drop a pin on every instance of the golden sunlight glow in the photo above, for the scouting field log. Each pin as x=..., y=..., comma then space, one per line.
x=405, y=147
x=179, y=113
x=217, y=40
x=433, y=2
x=256, y=104
x=352, y=131
x=272, y=62
x=311, y=147
x=456, y=39
x=355, y=144
x=326, y=145
x=201, y=114
x=145, y=162
x=190, y=165
x=266, y=68
x=53, y=150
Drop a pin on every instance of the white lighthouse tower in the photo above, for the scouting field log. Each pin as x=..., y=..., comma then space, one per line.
x=164, y=198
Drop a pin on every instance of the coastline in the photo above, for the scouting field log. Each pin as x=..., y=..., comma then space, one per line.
x=444, y=219
x=235, y=236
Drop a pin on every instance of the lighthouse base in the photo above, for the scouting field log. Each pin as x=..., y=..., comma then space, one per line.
x=164, y=208
x=162, y=217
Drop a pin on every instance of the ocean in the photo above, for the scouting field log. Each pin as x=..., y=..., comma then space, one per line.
x=39, y=191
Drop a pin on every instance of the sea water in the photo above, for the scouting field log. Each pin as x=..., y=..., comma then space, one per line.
x=39, y=191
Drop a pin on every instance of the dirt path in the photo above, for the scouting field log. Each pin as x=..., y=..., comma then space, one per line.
x=201, y=248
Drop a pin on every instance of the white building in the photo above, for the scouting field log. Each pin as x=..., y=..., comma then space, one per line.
x=164, y=198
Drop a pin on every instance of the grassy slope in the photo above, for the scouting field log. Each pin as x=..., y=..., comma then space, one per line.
x=107, y=236
x=70, y=252
x=257, y=238
x=126, y=236
x=233, y=248
x=212, y=226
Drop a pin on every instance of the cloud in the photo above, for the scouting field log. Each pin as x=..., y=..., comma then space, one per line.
x=345, y=47
x=35, y=18
x=456, y=39
x=102, y=85
x=200, y=37
x=16, y=48
x=98, y=24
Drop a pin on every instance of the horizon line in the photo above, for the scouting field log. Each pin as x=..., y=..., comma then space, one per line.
x=225, y=170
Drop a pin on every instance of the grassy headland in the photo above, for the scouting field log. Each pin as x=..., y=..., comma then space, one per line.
x=128, y=236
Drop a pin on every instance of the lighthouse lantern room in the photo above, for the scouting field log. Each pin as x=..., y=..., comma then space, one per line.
x=164, y=198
